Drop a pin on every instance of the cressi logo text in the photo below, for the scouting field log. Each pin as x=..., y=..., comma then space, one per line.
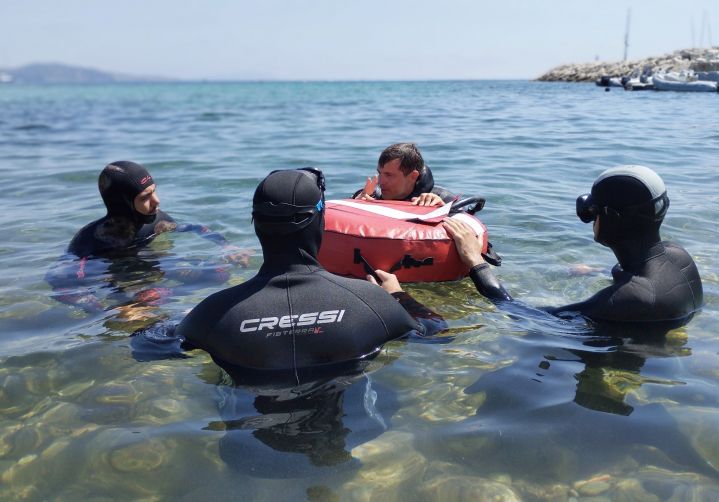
x=292, y=321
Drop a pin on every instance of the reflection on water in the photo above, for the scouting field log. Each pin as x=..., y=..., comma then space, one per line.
x=130, y=283
x=561, y=410
x=290, y=430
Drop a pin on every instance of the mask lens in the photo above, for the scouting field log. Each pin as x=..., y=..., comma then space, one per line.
x=586, y=210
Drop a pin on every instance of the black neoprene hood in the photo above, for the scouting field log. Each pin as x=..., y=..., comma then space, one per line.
x=287, y=201
x=119, y=183
x=632, y=191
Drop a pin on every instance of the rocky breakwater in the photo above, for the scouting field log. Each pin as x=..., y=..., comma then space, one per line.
x=685, y=59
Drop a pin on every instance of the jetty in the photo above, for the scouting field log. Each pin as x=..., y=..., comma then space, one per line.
x=697, y=60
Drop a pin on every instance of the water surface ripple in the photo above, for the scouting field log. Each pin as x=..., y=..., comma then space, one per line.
x=509, y=408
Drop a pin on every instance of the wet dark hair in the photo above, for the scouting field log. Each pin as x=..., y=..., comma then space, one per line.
x=408, y=154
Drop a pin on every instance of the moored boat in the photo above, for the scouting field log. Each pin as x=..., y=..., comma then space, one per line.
x=674, y=82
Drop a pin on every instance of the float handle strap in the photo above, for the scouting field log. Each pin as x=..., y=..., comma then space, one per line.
x=408, y=261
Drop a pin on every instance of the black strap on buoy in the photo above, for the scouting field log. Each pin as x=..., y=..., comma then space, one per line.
x=476, y=203
x=358, y=258
x=409, y=261
x=491, y=256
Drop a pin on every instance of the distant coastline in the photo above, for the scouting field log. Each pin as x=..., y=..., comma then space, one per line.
x=685, y=59
x=56, y=73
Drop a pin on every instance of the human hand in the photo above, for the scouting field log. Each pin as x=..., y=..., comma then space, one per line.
x=368, y=190
x=468, y=246
x=237, y=256
x=389, y=281
x=583, y=269
x=427, y=199
x=135, y=312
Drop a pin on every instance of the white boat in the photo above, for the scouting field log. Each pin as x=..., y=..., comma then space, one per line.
x=674, y=82
x=708, y=75
x=607, y=81
x=639, y=84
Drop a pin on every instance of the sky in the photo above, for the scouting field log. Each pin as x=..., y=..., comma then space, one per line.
x=343, y=39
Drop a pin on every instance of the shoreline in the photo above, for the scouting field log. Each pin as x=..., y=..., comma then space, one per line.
x=684, y=59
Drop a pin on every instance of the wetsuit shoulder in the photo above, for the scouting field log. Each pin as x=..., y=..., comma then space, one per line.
x=162, y=216
x=678, y=280
x=382, y=304
x=667, y=288
x=295, y=320
x=147, y=232
x=425, y=184
x=443, y=193
x=85, y=242
x=201, y=321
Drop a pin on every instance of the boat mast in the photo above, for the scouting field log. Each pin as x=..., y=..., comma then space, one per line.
x=626, y=33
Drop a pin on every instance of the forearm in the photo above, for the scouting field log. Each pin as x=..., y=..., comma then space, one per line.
x=430, y=321
x=86, y=301
x=489, y=286
x=204, y=232
x=487, y=283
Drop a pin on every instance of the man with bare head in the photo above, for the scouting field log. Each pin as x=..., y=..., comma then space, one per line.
x=403, y=175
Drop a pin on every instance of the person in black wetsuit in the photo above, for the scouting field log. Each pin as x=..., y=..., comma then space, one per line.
x=132, y=221
x=403, y=175
x=294, y=315
x=654, y=280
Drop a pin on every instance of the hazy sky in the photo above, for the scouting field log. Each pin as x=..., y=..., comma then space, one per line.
x=342, y=39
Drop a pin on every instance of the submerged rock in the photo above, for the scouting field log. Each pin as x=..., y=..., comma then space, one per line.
x=466, y=488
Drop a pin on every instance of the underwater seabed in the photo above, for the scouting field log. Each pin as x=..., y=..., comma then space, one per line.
x=499, y=413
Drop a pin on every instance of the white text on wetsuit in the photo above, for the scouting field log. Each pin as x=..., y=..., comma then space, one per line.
x=291, y=321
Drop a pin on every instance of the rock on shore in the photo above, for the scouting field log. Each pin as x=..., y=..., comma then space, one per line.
x=685, y=59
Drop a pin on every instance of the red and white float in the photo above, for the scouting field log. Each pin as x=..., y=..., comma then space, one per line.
x=394, y=236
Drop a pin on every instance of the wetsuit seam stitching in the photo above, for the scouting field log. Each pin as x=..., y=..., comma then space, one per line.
x=386, y=330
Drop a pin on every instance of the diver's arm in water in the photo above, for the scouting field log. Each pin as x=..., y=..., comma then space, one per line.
x=73, y=285
x=486, y=282
x=489, y=286
x=67, y=280
x=470, y=252
x=233, y=254
x=430, y=322
x=203, y=232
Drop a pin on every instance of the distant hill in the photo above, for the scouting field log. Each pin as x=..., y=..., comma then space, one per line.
x=55, y=73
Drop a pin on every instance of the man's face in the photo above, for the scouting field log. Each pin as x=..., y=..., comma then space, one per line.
x=147, y=202
x=394, y=183
x=595, y=227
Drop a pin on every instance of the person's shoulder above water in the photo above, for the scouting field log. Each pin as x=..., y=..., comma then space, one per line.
x=129, y=194
x=293, y=314
x=654, y=281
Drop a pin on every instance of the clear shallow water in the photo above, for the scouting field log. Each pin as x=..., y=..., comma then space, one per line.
x=509, y=408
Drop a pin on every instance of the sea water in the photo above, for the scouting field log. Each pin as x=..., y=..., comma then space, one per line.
x=508, y=409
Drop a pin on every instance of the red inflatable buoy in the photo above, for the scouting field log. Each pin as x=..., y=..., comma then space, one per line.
x=394, y=236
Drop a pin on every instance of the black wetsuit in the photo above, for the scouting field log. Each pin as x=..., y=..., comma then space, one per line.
x=77, y=275
x=110, y=235
x=120, y=233
x=424, y=184
x=294, y=314
x=663, y=285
